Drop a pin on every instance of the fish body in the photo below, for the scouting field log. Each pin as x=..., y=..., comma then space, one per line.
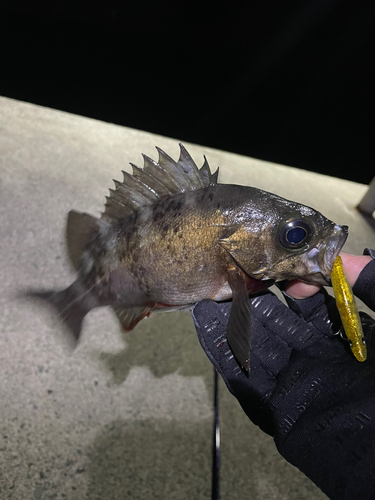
x=178, y=250
x=171, y=236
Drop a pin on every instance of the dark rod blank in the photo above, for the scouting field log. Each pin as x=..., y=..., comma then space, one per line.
x=216, y=443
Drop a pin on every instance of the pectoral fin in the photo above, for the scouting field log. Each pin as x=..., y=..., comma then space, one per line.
x=238, y=330
x=130, y=316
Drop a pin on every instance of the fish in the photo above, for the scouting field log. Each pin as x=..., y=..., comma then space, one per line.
x=348, y=310
x=171, y=235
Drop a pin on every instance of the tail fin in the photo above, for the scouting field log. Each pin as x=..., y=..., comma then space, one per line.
x=69, y=304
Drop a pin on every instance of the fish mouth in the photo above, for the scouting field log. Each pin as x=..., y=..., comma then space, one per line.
x=336, y=242
x=321, y=262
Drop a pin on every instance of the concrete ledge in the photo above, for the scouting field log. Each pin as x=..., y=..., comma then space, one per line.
x=120, y=417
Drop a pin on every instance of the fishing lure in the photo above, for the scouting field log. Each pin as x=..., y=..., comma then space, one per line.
x=348, y=310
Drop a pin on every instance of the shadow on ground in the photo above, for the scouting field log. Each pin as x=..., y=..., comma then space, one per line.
x=148, y=459
x=166, y=343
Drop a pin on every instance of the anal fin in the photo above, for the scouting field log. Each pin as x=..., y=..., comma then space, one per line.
x=129, y=317
x=239, y=326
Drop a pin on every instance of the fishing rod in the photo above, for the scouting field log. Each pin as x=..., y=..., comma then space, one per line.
x=216, y=442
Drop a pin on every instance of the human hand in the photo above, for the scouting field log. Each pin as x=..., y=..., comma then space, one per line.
x=305, y=388
x=307, y=326
x=353, y=265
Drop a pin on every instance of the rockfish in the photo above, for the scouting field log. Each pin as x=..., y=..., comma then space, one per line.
x=170, y=236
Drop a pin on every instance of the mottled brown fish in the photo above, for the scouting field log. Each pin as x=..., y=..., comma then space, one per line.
x=171, y=236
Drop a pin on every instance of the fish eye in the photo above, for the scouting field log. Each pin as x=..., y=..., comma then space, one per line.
x=295, y=234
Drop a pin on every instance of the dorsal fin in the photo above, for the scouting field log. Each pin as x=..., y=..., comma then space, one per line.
x=173, y=170
x=157, y=179
x=186, y=163
x=205, y=172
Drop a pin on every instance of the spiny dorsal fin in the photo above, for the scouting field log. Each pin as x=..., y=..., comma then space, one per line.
x=157, y=179
x=190, y=169
x=174, y=171
x=205, y=172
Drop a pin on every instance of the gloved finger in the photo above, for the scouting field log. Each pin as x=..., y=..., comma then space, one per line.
x=211, y=322
x=283, y=323
x=251, y=390
x=319, y=311
x=275, y=330
x=268, y=353
x=368, y=326
x=364, y=286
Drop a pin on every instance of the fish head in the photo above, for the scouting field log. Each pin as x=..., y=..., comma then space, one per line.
x=306, y=246
x=288, y=241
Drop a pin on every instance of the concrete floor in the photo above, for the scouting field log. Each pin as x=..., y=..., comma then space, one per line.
x=120, y=417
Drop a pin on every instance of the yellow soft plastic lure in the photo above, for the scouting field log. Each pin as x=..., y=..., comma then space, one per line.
x=348, y=310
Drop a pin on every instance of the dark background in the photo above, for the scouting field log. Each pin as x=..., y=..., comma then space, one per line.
x=290, y=82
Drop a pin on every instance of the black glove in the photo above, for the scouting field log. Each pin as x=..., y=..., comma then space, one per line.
x=305, y=387
x=364, y=287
